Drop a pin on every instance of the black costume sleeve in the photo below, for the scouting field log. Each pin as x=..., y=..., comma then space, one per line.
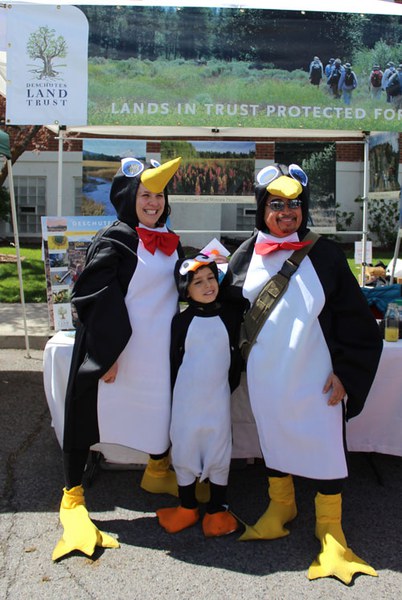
x=349, y=327
x=103, y=331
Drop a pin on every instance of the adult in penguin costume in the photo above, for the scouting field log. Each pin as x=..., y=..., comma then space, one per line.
x=206, y=366
x=311, y=366
x=119, y=383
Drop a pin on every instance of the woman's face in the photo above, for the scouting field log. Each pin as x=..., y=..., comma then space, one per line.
x=203, y=287
x=283, y=222
x=149, y=206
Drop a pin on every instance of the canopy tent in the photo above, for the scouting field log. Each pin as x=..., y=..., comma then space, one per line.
x=5, y=151
x=213, y=129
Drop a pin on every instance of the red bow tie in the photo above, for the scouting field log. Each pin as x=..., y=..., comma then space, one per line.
x=268, y=247
x=166, y=242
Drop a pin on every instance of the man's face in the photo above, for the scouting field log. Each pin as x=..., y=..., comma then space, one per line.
x=281, y=223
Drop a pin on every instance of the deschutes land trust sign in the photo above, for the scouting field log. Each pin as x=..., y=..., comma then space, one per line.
x=50, y=85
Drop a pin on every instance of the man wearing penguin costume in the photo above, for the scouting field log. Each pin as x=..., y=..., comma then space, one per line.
x=312, y=365
x=119, y=383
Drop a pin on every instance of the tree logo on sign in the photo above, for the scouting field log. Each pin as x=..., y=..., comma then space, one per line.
x=45, y=46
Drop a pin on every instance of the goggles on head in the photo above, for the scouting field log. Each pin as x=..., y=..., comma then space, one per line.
x=268, y=174
x=132, y=167
x=192, y=264
x=278, y=205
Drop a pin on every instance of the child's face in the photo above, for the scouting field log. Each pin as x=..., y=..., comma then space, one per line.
x=203, y=288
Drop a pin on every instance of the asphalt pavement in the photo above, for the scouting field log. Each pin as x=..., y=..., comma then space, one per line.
x=151, y=564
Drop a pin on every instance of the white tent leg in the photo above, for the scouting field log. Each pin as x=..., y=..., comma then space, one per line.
x=366, y=171
x=17, y=249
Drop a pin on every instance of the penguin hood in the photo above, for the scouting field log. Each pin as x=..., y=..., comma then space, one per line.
x=124, y=189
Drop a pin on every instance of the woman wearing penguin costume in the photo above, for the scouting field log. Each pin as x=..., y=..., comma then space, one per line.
x=205, y=364
x=319, y=345
x=119, y=382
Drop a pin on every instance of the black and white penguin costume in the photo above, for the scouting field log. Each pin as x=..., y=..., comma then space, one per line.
x=125, y=300
x=205, y=366
x=322, y=326
x=205, y=363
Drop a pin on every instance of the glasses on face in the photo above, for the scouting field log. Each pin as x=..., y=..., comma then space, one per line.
x=132, y=167
x=278, y=205
x=268, y=174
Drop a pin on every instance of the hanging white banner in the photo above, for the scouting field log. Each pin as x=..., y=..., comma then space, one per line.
x=47, y=72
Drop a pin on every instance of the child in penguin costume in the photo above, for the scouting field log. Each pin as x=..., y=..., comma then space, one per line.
x=205, y=367
x=119, y=383
x=312, y=365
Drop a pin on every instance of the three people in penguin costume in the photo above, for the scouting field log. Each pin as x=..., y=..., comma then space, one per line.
x=311, y=366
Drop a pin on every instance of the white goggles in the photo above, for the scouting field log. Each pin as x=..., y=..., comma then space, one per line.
x=268, y=174
x=132, y=167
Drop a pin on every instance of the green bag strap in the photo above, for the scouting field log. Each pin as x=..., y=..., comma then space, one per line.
x=270, y=295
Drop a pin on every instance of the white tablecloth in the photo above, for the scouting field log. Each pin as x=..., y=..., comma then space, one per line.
x=377, y=429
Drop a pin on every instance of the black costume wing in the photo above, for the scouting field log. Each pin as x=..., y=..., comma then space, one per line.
x=349, y=327
x=104, y=328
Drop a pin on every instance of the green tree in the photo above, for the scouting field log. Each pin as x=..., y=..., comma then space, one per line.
x=44, y=45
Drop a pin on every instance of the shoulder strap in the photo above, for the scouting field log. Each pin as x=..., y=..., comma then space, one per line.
x=270, y=295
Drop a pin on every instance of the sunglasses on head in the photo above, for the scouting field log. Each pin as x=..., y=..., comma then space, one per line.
x=132, y=167
x=278, y=205
x=268, y=174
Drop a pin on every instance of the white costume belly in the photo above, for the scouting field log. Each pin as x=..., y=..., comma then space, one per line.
x=135, y=410
x=201, y=427
x=286, y=372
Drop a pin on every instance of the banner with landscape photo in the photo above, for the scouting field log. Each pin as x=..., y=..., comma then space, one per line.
x=236, y=67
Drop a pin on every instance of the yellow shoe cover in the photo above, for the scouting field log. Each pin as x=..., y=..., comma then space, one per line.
x=281, y=510
x=270, y=526
x=202, y=491
x=176, y=519
x=79, y=531
x=158, y=478
x=335, y=558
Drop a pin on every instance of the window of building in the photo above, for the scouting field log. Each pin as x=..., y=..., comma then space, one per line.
x=30, y=196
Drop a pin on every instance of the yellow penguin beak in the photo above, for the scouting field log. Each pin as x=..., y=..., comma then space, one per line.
x=285, y=187
x=155, y=180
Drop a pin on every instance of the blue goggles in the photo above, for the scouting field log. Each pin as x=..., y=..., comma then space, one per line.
x=132, y=167
x=268, y=174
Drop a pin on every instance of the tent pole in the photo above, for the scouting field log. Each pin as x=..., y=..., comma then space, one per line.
x=60, y=173
x=17, y=250
x=366, y=168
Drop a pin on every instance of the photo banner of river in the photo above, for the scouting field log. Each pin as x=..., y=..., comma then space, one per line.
x=232, y=67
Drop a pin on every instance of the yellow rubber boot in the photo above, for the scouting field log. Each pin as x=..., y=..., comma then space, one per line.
x=176, y=519
x=335, y=558
x=281, y=510
x=158, y=478
x=79, y=531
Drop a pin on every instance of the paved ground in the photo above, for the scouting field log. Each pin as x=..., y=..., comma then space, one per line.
x=150, y=563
